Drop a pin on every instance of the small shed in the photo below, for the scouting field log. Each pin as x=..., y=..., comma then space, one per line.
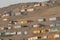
x=12, y=33
x=54, y=18
x=30, y=9
x=41, y=20
x=36, y=5
x=19, y=33
x=56, y=36
x=22, y=10
x=17, y=26
x=7, y=33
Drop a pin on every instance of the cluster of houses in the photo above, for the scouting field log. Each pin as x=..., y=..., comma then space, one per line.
x=18, y=23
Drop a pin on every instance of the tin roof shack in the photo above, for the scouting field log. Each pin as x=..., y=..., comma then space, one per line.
x=24, y=6
x=53, y=36
x=54, y=30
x=28, y=5
x=19, y=33
x=53, y=1
x=43, y=4
x=54, y=25
x=54, y=18
x=8, y=13
x=31, y=5
x=47, y=3
x=22, y=10
x=9, y=34
x=33, y=38
x=41, y=20
x=44, y=37
x=50, y=36
x=2, y=34
x=56, y=36
x=30, y=9
x=20, y=13
x=5, y=28
x=36, y=4
x=16, y=10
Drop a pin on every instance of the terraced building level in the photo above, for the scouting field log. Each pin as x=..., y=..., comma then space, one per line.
x=31, y=21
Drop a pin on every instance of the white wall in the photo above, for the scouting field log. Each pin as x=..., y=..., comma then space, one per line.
x=4, y=3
